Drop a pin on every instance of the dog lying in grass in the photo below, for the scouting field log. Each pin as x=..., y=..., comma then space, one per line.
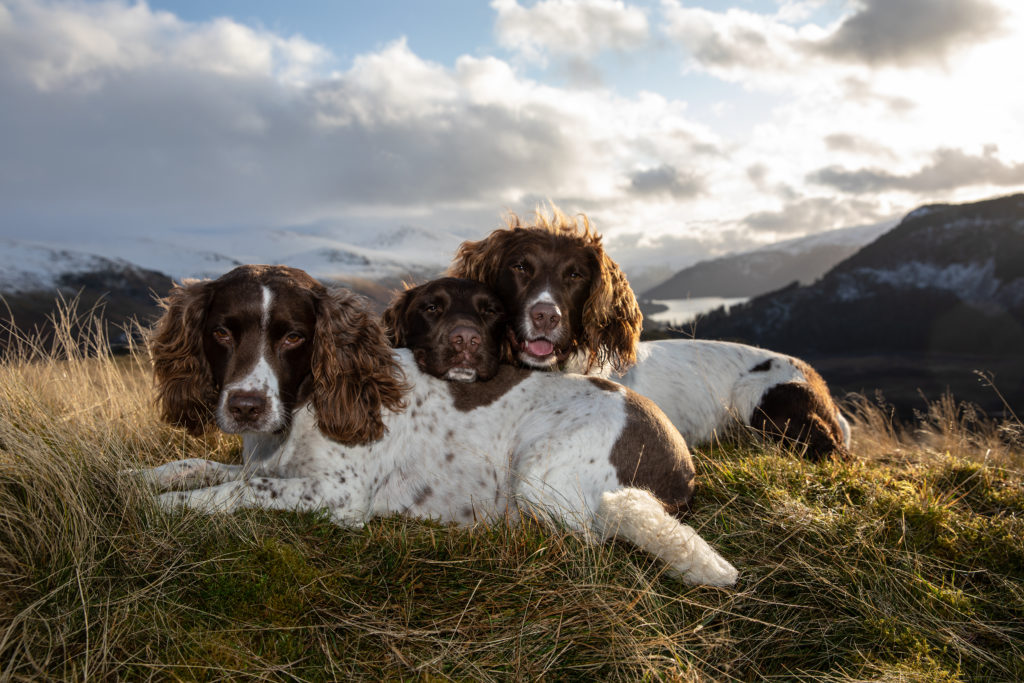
x=333, y=417
x=570, y=309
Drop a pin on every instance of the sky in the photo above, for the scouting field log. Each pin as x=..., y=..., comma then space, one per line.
x=684, y=130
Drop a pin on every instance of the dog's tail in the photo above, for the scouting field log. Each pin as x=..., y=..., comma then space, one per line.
x=637, y=516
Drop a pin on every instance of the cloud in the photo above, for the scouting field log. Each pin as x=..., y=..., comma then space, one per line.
x=569, y=28
x=731, y=43
x=813, y=214
x=124, y=116
x=82, y=45
x=764, y=50
x=666, y=180
x=949, y=169
x=911, y=31
x=850, y=142
x=636, y=252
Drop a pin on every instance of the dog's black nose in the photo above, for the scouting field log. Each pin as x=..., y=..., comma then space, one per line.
x=464, y=338
x=545, y=317
x=247, y=406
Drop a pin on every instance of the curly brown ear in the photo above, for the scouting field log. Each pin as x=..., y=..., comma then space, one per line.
x=611, y=317
x=394, y=318
x=355, y=373
x=186, y=395
x=481, y=260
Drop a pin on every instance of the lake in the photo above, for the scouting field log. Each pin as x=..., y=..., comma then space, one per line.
x=681, y=311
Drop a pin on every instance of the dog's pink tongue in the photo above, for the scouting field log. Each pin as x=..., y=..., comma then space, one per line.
x=540, y=347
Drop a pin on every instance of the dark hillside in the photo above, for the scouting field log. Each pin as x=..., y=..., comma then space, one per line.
x=123, y=294
x=947, y=281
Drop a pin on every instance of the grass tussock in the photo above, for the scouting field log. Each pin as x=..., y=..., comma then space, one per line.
x=905, y=564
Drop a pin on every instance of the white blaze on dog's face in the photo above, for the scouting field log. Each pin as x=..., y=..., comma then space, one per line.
x=545, y=288
x=258, y=342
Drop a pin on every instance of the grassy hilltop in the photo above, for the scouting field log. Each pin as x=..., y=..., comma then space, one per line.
x=906, y=564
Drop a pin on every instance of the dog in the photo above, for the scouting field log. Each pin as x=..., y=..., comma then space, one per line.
x=455, y=328
x=571, y=309
x=333, y=417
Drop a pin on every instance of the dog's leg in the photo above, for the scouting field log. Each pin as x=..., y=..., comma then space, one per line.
x=304, y=495
x=637, y=516
x=188, y=474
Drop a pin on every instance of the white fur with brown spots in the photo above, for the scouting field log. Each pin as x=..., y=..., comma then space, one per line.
x=600, y=458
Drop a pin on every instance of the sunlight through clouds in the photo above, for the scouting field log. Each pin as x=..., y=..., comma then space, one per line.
x=776, y=119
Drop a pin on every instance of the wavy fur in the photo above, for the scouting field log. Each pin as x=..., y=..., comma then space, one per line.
x=354, y=372
x=186, y=394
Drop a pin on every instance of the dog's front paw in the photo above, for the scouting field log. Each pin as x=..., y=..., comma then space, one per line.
x=174, y=500
x=350, y=519
x=173, y=475
x=223, y=498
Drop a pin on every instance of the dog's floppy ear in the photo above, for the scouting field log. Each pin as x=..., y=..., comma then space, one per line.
x=355, y=373
x=394, y=318
x=186, y=395
x=611, y=317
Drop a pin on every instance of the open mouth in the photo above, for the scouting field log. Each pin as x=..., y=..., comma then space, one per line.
x=538, y=348
x=541, y=350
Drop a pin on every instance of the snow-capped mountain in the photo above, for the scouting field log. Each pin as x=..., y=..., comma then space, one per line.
x=326, y=252
x=126, y=274
x=803, y=259
x=948, y=278
x=29, y=267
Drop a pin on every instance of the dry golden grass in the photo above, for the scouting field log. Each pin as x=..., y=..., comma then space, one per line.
x=906, y=564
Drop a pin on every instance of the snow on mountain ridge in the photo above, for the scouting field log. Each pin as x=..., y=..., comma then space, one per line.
x=406, y=250
x=974, y=282
x=27, y=266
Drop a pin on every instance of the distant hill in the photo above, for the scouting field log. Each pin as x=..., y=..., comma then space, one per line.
x=936, y=297
x=801, y=260
x=33, y=276
x=948, y=278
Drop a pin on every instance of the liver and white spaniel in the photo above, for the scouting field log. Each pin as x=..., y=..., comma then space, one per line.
x=570, y=308
x=333, y=417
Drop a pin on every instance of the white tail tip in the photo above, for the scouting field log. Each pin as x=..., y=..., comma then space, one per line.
x=637, y=516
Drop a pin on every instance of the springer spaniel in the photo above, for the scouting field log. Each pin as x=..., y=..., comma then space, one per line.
x=333, y=417
x=570, y=308
x=455, y=328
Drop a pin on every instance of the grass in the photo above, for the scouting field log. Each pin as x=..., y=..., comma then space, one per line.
x=904, y=564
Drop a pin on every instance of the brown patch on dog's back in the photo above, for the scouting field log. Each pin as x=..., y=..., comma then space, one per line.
x=604, y=384
x=651, y=454
x=467, y=396
x=803, y=413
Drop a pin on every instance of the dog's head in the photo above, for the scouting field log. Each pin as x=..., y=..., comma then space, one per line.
x=561, y=291
x=454, y=327
x=246, y=349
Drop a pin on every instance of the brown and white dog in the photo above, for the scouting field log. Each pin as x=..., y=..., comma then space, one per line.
x=455, y=328
x=333, y=417
x=570, y=308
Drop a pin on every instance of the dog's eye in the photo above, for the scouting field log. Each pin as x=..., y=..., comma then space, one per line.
x=431, y=308
x=521, y=267
x=293, y=339
x=221, y=336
